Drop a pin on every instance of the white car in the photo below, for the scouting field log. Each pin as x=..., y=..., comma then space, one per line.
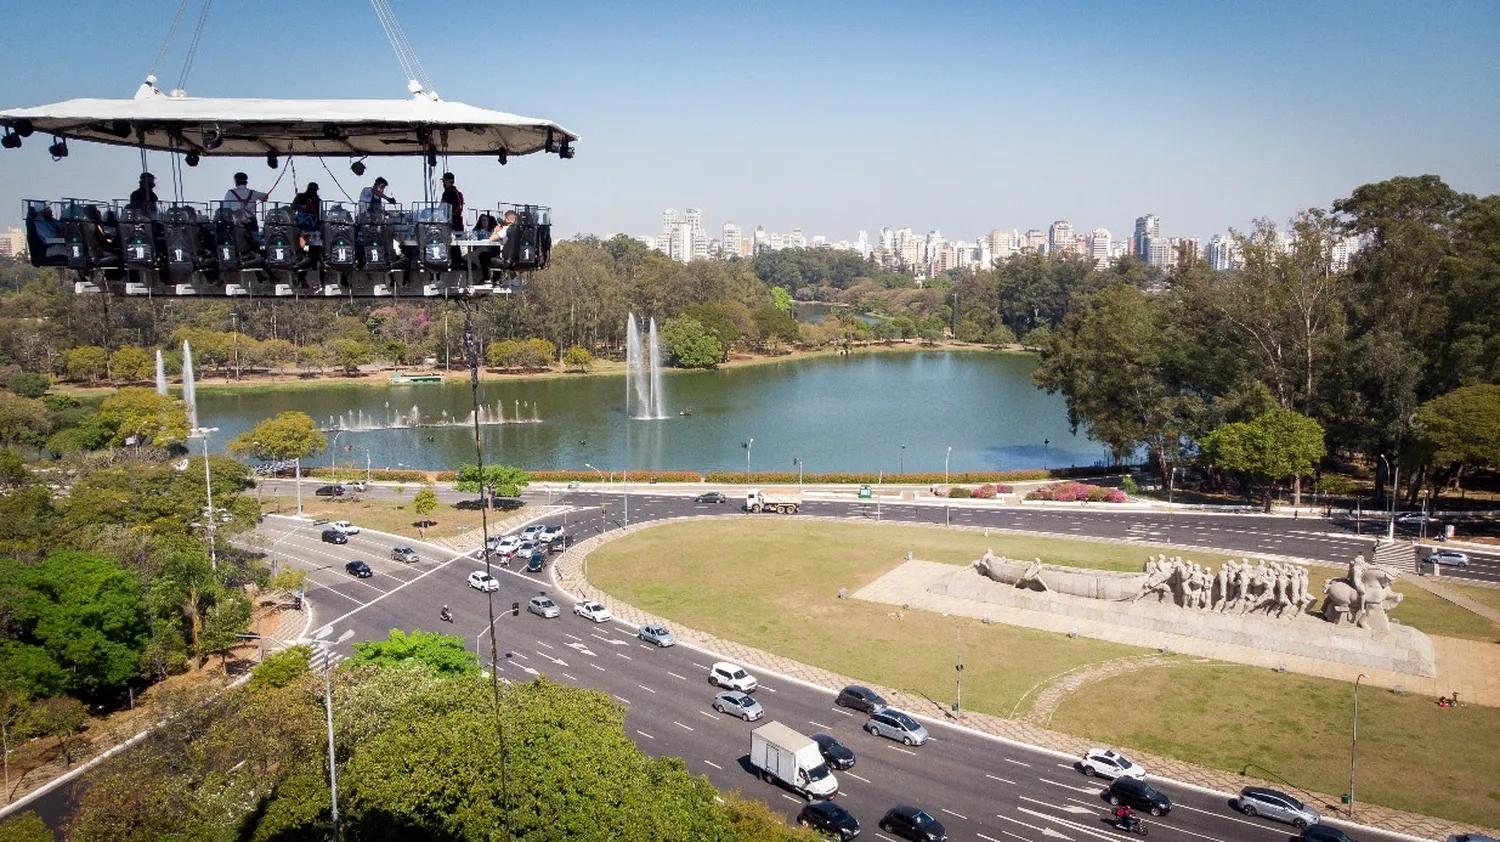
x=345, y=527
x=506, y=546
x=731, y=677
x=483, y=581
x=1108, y=763
x=532, y=532
x=594, y=611
x=543, y=607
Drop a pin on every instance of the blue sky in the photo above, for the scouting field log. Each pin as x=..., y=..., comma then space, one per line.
x=959, y=116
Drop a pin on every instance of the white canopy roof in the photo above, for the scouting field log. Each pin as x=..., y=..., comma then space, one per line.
x=254, y=127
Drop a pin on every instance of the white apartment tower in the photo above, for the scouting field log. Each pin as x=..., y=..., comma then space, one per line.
x=1223, y=253
x=695, y=248
x=1160, y=252
x=731, y=241
x=762, y=241
x=1004, y=243
x=1146, y=227
x=1034, y=240
x=1098, y=245
x=1060, y=237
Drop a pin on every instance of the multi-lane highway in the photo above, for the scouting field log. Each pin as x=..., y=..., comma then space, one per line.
x=981, y=788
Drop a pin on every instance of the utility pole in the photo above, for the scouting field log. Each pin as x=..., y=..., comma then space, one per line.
x=208, y=488
x=1354, y=743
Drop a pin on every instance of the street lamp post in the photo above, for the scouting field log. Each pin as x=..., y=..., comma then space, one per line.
x=1046, y=445
x=1395, y=481
x=1354, y=742
x=1171, y=481
x=945, y=464
x=798, y=462
x=747, y=445
x=333, y=455
x=903, y=460
x=299, y=486
x=208, y=489
x=333, y=776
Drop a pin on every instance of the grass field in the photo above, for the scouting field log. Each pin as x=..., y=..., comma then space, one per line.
x=1413, y=755
x=1432, y=614
x=774, y=585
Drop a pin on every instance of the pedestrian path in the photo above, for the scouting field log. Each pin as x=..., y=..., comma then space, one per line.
x=568, y=573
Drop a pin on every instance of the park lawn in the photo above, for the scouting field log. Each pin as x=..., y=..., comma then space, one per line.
x=1413, y=755
x=1431, y=614
x=387, y=515
x=774, y=585
x=1486, y=596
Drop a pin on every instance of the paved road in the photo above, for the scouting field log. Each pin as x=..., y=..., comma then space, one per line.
x=981, y=788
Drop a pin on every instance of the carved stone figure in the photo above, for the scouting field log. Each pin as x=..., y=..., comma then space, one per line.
x=1362, y=597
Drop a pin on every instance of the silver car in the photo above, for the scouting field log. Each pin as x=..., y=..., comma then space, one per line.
x=1452, y=558
x=739, y=704
x=1259, y=801
x=543, y=607
x=895, y=725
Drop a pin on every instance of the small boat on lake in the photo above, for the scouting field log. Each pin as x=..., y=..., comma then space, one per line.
x=400, y=379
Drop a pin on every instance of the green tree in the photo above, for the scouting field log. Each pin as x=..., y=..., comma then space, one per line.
x=578, y=357
x=444, y=654
x=28, y=384
x=504, y=354
x=281, y=669
x=140, y=413
x=87, y=363
x=277, y=354
x=79, y=625
x=499, y=480
x=226, y=619
x=289, y=435
x=1462, y=428
x=349, y=354
x=25, y=827
x=61, y=718
x=689, y=344
x=424, y=503
x=776, y=326
x=288, y=579
x=130, y=364
x=1276, y=445
x=22, y=420
x=782, y=299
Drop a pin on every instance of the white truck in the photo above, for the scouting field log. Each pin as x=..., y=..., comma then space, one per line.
x=782, y=502
x=777, y=753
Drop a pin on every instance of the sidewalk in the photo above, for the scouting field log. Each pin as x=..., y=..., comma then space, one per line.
x=569, y=575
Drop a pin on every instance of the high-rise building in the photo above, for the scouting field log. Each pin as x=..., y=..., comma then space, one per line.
x=696, y=246
x=1146, y=227
x=762, y=242
x=731, y=242
x=1060, y=237
x=1034, y=240
x=1159, y=252
x=1340, y=254
x=1098, y=244
x=862, y=245
x=777, y=242
x=1004, y=243
x=13, y=243
x=1223, y=253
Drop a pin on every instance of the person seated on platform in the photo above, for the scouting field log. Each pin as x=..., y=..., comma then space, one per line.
x=483, y=226
x=242, y=201
x=371, y=197
x=309, y=208
x=108, y=234
x=143, y=198
x=498, y=235
x=455, y=202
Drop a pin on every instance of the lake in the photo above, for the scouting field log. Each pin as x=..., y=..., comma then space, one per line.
x=867, y=412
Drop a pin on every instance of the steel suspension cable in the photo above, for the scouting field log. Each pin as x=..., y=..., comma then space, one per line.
x=166, y=42
x=187, y=64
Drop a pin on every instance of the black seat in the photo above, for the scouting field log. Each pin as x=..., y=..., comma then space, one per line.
x=190, y=243
x=373, y=238
x=234, y=245
x=40, y=252
x=435, y=240
x=340, y=248
x=142, y=239
x=284, y=249
x=523, y=245
x=86, y=245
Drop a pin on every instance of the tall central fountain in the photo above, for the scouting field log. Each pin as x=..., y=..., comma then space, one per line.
x=643, y=393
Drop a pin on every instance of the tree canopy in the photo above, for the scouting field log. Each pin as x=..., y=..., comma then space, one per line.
x=289, y=435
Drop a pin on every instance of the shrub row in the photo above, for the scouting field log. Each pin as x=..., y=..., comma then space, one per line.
x=983, y=492
x=1077, y=492
x=991, y=480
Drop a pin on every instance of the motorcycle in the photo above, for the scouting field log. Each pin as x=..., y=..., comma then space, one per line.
x=1130, y=825
x=445, y=616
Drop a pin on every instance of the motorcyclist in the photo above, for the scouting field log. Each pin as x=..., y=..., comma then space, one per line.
x=1125, y=817
x=446, y=615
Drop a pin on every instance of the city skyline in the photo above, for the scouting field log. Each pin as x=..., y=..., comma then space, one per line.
x=1271, y=112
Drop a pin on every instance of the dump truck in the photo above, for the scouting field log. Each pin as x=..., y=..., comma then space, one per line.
x=781, y=502
x=777, y=753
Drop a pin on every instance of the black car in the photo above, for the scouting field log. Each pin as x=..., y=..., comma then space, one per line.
x=911, y=823
x=860, y=698
x=535, y=563
x=1323, y=833
x=330, y=491
x=359, y=568
x=1139, y=795
x=335, y=536
x=560, y=543
x=837, y=754
x=828, y=817
x=711, y=497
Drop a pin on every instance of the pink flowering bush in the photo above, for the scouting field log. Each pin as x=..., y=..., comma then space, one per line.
x=1077, y=492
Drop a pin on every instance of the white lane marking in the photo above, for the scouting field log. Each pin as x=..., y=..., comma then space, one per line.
x=903, y=750
x=842, y=712
x=715, y=765
x=571, y=636
x=1225, y=816
x=1016, y=762
x=1045, y=831
x=675, y=675
x=1083, y=789
x=642, y=733
x=1072, y=766
x=680, y=725
x=569, y=677
x=768, y=689
x=1001, y=780
x=791, y=799
x=625, y=656
x=951, y=813
x=542, y=643
x=621, y=698
x=707, y=714
x=529, y=670
x=857, y=777
x=644, y=646
x=818, y=725
x=597, y=667
x=521, y=655
x=644, y=687
x=329, y=589
x=699, y=666
x=579, y=647
x=1066, y=808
